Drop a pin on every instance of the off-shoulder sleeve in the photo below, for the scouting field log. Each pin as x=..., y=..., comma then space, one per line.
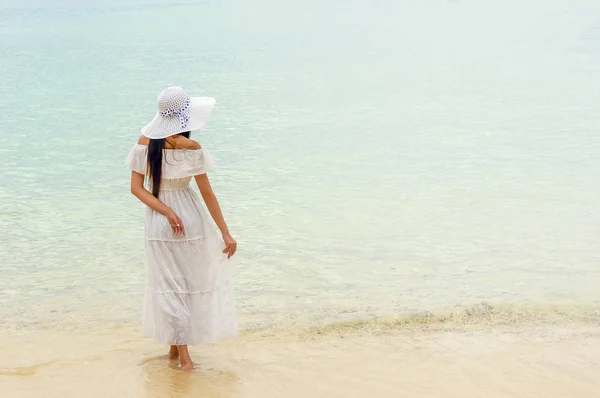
x=136, y=160
x=201, y=162
x=188, y=163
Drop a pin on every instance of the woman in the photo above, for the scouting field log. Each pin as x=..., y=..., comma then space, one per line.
x=189, y=290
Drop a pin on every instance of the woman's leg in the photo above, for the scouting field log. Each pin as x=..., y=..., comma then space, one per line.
x=184, y=358
x=173, y=352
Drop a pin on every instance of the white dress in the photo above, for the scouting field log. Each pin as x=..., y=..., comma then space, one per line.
x=189, y=288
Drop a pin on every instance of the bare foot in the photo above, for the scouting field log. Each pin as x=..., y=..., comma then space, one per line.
x=187, y=365
x=184, y=358
x=173, y=352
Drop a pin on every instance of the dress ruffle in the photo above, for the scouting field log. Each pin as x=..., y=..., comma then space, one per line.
x=181, y=162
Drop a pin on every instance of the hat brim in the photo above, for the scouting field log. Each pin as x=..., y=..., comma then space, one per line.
x=201, y=109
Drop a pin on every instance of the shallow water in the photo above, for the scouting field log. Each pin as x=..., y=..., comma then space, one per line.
x=377, y=159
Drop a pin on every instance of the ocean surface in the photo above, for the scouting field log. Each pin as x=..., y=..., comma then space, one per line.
x=431, y=163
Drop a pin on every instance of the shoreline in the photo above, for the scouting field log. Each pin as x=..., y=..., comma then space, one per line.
x=548, y=360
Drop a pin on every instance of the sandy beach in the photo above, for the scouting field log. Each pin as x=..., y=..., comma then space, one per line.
x=378, y=358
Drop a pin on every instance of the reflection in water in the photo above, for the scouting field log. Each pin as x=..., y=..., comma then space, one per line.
x=164, y=379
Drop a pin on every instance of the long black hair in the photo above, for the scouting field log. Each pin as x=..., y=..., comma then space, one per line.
x=155, y=161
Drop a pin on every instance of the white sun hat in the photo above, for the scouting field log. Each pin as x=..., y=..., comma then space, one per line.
x=178, y=112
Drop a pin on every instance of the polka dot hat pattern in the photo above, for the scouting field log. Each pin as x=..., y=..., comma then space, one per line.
x=174, y=101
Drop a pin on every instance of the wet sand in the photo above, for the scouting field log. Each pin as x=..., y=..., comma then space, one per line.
x=541, y=361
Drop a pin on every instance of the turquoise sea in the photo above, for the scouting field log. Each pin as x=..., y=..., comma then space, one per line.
x=376, y=158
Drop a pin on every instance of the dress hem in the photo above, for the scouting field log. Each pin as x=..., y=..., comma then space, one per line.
x=194, y=343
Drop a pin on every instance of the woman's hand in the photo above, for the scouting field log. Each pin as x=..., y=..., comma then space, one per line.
x=230, y=245
x=176, y=224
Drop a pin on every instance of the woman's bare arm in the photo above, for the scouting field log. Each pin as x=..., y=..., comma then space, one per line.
x=140, y=192
x=215, y=211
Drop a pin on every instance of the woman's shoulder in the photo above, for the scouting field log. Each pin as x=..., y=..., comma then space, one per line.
x=174, y=142
x=181, y=142
x=143, y=141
